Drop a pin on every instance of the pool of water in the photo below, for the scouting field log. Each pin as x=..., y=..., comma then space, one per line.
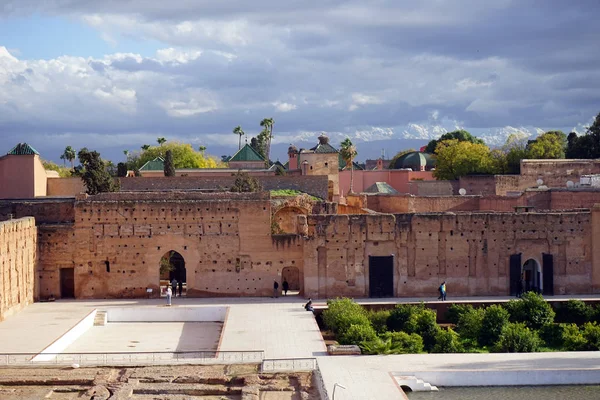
x=511, y=393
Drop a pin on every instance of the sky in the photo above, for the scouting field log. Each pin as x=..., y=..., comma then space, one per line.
x=114, y=75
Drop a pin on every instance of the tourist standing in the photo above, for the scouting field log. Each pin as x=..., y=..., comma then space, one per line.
x=442, y=290
x=174, y=286
x=275, y=289
x=169, y=293
x=286, y=286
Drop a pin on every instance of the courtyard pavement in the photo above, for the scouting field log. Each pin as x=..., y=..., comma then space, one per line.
x=283, y=329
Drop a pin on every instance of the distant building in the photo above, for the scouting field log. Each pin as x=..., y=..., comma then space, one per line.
x=415, y=160
x=247, y=158
x=22, y=174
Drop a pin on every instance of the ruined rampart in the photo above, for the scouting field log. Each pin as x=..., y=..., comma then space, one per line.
x=18, y=239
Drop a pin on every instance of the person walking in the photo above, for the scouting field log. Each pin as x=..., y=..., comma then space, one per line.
x=180, y=287
x=169, y=293
x=286, y=286
x=275, y=289
x=442, y=290
x=174, y=286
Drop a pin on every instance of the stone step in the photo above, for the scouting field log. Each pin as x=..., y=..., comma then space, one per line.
x=415, y=384
x=100, y=319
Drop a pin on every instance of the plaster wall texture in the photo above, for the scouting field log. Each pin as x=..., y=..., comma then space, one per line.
x=18, y=241
x=469, y=250
x=22, y=177
x=556, y=173
x=400, y=180
x=323, y=164
x=65, y=187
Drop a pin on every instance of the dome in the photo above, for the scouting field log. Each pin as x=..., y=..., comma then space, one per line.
x=415, y=160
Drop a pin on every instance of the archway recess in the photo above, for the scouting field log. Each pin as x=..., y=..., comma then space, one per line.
x=532, y=276
x=172, y=267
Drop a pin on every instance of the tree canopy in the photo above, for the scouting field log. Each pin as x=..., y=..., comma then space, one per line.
x=459, y=158
x=587, y=145
x=95, y=173
x=184, y=156
x=549, y=145
x=461, y=135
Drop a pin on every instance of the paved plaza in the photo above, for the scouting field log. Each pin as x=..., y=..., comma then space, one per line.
x=279, y=327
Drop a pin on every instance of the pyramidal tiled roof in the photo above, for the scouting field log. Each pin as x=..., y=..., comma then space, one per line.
x=23, y=149
x=158, y=164
x=246, y=153
x=381, y=187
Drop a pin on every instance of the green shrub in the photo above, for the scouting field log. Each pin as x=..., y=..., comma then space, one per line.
x=379, y=320
x=342, y=313
x=495, y=318
x=427, y=327
x=405, y=343
x=403, y=318
x=357, y=334
x=517, y=338
x=531, y=309
x=552, y=335
x=573, y=339
x=469, y=323
x=447, y=341
x=455, y=311
x=595, y=317
x=591, y=333
x=574, y=312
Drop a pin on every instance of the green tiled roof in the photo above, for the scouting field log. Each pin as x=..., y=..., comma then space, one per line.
x=23, y=149
x=247, y=153
x=158, y=164
x=381, y=187
x=324, y=148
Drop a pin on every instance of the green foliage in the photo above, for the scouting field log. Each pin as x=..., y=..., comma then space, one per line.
x=456, y=159
x=469, y=323
x=292, y=192
x=95, y=175
x=121, y=169
x=515, y=150
x=574, y=311
x=63, y=172
x=494, y=319
x=517, y=338
x=403, y=318
x=550, y=145
x=267, y=132
x=415, y=319
x=394, y=343
x=553, y=335
x=357, y=334
x=585, y=146
x=456, y=310
x=591, y=333
x=531, y=309
x=245, y=183
x=68, y=155
x=342, y=313
x=459, y=135
x=184, y=156
x=447, y=341
x=259, y=144
x=240, y=132
x=573, y=339
x=379, y=320
x=169, y=168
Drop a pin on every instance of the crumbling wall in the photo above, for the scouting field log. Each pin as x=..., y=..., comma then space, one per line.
x=18, y=240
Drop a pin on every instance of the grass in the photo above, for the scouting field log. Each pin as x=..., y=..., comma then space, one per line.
x=291, y=192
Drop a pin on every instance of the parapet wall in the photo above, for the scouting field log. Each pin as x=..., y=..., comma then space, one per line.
x=313, y=185
x=18, y=240
x=45, y=211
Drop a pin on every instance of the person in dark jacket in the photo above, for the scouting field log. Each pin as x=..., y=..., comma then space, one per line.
x=180, y=287
x=275, y=289
x=286, y=286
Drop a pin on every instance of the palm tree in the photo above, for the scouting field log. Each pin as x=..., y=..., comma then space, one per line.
x=68, y=155
x=348, y=152
x=202, y=149
x=126, y=152
x=145, y=147
x=238, y=131
x=161, y=140
x=267, y=124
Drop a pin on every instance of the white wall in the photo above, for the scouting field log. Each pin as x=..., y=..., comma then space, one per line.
x=166, y=314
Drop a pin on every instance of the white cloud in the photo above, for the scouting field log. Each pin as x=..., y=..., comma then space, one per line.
x=284, y=107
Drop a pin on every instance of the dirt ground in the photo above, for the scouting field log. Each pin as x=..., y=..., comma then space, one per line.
x=222, y=382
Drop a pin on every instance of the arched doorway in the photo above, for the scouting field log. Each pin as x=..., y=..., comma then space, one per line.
x=292, y=276
x=172, y=267
x=531, y=276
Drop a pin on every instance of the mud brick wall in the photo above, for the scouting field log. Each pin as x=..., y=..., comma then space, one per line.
x=313, y=185
x=18, y=241
x=471, y=251
x=44, y=210
x=556, y=173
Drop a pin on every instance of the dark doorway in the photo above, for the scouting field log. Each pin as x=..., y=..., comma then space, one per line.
x=515, y=274
x=172, y=267
x=67, y=283
x=292, y=276
x=532, y=276
x=548, y=274
x=381, y=276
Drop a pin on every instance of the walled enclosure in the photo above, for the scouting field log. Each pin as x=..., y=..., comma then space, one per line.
x=18, y=239
x=471, y=251
x=118, y=239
